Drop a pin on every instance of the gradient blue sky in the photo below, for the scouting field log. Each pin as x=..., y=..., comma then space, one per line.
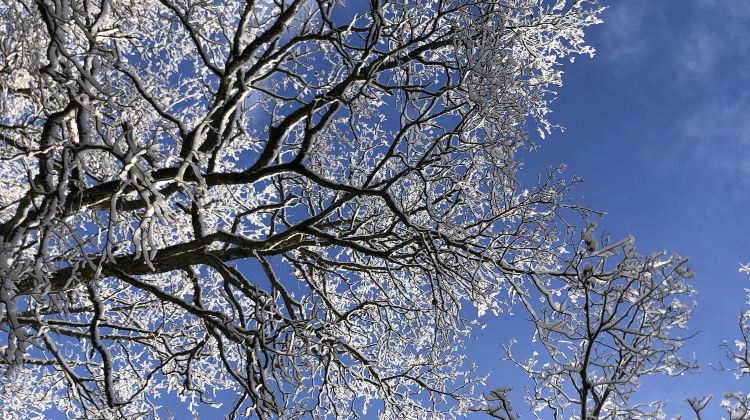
x=658, y=126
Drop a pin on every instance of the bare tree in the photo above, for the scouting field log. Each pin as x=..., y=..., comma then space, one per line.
x=287, y=201
x=609, y=318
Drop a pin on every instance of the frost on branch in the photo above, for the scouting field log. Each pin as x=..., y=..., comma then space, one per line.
x=609, y=317
x=282, y=204
x=498, y=405
x=697, y=404
x=738, y=352
x=737, y=404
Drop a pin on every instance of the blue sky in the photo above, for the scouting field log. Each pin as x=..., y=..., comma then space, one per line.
x=658, y=126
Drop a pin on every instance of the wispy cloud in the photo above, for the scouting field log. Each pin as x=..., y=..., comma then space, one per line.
x=623, y=31
x=716, y=138
x=734, y=9
x=703, y=53
x=701, y=40
x=714, y=59
x=699, y=54
x=716, y=41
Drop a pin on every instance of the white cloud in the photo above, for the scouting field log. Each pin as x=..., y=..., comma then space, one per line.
x=703, y=38
x=717, y=138
x=737, y=9
x=623, y=29
x=717, y=39
x=700, y=53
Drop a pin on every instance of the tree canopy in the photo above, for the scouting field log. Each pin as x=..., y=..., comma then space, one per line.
x=297, y=203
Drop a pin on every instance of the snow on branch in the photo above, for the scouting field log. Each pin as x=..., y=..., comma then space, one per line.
x=285, y=204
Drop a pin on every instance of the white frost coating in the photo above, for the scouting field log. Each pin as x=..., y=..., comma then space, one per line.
x=737, y=404
x=613, y=319
x=361, y=165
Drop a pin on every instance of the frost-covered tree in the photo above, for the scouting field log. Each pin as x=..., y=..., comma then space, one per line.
x=738, y=352
x=737, y=403
x=608, y=318
x=283, y=204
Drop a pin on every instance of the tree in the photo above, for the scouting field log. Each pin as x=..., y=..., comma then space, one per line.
x=738, y=353
x=610, y=317
x=737, y=403
x=288, y=201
